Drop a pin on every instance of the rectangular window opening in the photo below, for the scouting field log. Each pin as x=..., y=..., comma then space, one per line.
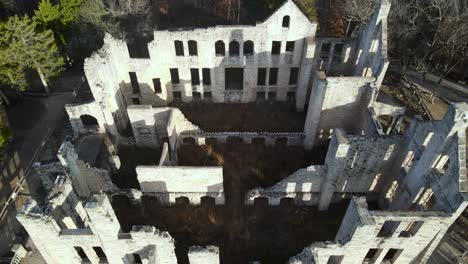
x=276, y=48
x=195, y=76
x=325, y=51
x=100, y=253
x=82, y=254
x=179, y=48
x=335, y=259
x=392, y=255
x=388, y=228
x=175, y=76
x=293, y=76
x=137, y=259
x=290, y=46
x=261, y=76
x=411, y=229
x=372, y=255
x=157, y=85
x=192, y=47
x=206, y=76
x=271, y=96
x=177, y=95
x=273, y=80
x=134, y=82
x=196, y=96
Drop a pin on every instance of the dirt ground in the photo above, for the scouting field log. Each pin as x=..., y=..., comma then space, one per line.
x=264, y=117
x=246, y=166
x=130, y=157
x=270, y=234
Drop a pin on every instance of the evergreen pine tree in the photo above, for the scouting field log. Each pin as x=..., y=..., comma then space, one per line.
x=29, y=49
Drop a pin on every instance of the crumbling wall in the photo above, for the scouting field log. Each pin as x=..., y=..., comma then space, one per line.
x=362, y=230
x=270, y=138
x=170, y=183
x=85, y=178
x=58, y=245
x=203, y=255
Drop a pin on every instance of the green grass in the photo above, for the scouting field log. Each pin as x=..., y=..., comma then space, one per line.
x=5, y=134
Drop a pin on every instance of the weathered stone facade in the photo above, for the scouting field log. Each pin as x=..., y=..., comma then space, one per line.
x=405, y=189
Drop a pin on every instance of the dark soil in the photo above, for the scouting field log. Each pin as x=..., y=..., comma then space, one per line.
x=130, y=157
x=246, y=166
x=264, y=117
x=270, y=234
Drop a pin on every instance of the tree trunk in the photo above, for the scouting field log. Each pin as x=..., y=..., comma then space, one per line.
x=43, y=80
x=4, y=97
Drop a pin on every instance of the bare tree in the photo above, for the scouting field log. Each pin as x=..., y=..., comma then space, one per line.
x=358, y=12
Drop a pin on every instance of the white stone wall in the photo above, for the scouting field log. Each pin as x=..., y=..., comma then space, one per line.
x=57, y=245
x=169, y=183
x=359, y=233
x=203, y=255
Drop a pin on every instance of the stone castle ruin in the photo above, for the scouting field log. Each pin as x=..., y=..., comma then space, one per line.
x=249, y=144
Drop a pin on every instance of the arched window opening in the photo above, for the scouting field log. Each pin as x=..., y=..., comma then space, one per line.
x=234, y=48
x=89, y=121
x=220, y=49
x=248, y=48
x=286, y=20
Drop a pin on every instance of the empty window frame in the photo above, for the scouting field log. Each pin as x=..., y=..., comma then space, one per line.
x=134, y=82
x=196, y=96
x=325, y=51
x=293, y=76
x=157, y=85
x=100, y=253
x=220, y=48
x=137, y=259
x=442, y=164
x=271, y=96
x=179, y=48
x=261, y=76
x=408, y=162
x=411, y=229
x=286, y=21
x=276, y=47
x=290, y=46
x=388, y=228
x=335, y=259
x=248, y=48
x=207, y=95
x=234, y=48
x=138, y=48
x=273, y=78
x=392, y=255
x=195, y=76
x=372, y=255
x=82, y=254
x=175, y=76
x=206, y=74
x=177, y=95
x=337, y=52
x=192, y=48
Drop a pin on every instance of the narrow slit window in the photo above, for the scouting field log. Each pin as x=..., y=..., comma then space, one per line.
x=179, y=48
x=134, y=81
x=175, y=76
x=195, y=76
x=293, y=76
x=261, y=76
x=372, y=255
x=276, y=47
x=192, y=47
x=286, y=21
x=157, y=85
x=273, y=80
x=206, y=76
